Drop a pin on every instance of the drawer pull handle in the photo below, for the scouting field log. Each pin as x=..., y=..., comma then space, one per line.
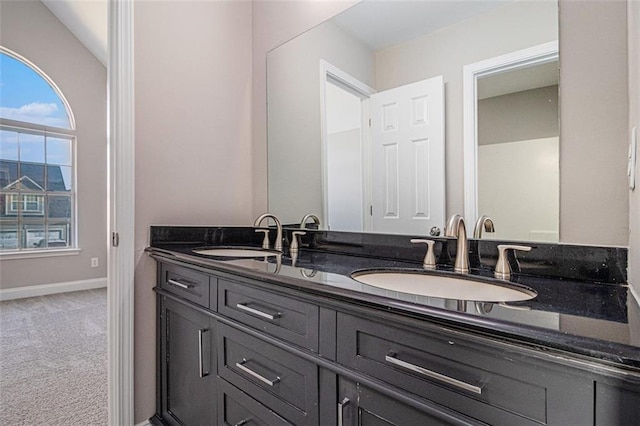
x=261, y=314
x=260, y=377
x=341, y=406
x=390, y=358
x=243, y=421
x=180, y=284
x=202, y=373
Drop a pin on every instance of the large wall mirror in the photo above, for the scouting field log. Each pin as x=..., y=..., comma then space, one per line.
x=338, y=93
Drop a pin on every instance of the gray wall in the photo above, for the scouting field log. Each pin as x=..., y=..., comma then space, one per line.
x=193, y=139
x=634, y=121
x=594, y=120
x=530, y=114
x=273, y=23
x=31, y=30
x=295, y=154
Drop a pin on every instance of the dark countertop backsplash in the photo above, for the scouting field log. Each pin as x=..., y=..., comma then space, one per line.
x=560, y=261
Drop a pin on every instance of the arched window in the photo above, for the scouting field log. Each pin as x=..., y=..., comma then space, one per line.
x=37, y=159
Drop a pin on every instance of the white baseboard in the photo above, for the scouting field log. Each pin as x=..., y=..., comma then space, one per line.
x=45, y=289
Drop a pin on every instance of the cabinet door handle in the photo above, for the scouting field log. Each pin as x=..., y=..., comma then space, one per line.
x=391, y=358
x=261, y=314
x=260, y=377
x=180, y=284
x=341, y=406
x=201, y=371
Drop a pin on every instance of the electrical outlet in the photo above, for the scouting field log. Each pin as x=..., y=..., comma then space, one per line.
x=94, y=262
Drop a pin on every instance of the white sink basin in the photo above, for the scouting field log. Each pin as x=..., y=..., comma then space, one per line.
x=236, y=252
x=444, y=286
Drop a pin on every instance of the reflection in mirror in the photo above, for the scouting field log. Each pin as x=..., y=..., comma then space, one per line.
x=514, y=144
x=383, y=46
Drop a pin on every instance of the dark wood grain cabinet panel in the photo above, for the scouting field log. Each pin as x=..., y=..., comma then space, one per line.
x=282, y=381
x=285, y=317
x=361, y=406
x=490, y=384
x=188, y=384
x=188, y=284
x=617, y=404
x=238, y=408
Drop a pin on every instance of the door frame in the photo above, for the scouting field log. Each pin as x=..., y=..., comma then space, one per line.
x=534, y=55
x=121, y=209
x=333, y=74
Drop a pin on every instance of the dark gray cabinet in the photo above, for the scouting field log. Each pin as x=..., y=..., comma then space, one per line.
x=285, y=317
x=282, y=381
x=616, y=403
x=361, y=406
x=188, y=368
x=493, y=384
x=236, y=408
x=236, y=351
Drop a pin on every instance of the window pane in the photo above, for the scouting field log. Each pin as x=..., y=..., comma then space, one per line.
x=58, y=178
x=8, y=173
x=32, y=205
x=31, y=148
x=59, y=151
x=8, y=145
x=8, y=235
x=31, y=177
x=58, y=235
x=59, y=207
x=27, y=96
x=33, y=235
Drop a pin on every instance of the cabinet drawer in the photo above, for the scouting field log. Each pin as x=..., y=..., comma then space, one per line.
x=281, y=316
x=278, y=379
x=494, y=386
x=237, y=408
x=191, y=285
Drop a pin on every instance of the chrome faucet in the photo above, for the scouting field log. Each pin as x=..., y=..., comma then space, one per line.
x=485, y=222
x=278, y=243
x=455, y=228
x=306, y=217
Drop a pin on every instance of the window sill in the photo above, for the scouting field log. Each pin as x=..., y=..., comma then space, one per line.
x=10, y=255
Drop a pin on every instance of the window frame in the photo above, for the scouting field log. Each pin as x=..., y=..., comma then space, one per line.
x=21, y=195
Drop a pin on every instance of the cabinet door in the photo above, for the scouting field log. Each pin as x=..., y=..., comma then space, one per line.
x=359, y=405
x=617, y=403
x=188, y=373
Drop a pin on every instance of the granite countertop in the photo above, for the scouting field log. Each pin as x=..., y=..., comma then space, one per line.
x=591, y=320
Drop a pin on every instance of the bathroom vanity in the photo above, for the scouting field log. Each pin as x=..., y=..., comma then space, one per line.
x=293, y=339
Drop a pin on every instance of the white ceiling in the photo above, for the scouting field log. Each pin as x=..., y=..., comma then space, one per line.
x=87, y=20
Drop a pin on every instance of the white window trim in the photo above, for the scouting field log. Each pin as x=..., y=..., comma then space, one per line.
x=46, y=131
x=32, y=254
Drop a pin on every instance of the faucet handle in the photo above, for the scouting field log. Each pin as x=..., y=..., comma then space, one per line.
x=265, y=240
x=429, y=261
x=503, y=270
x=294, y=240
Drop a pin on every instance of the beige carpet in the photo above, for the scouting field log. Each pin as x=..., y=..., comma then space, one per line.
x=53, y=360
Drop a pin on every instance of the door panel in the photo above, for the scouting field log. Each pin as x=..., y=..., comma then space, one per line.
x=408, y=158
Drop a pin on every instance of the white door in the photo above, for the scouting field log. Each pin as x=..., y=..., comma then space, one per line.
x=407, y=131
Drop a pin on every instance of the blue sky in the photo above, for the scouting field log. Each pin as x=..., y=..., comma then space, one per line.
x=26, y=96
